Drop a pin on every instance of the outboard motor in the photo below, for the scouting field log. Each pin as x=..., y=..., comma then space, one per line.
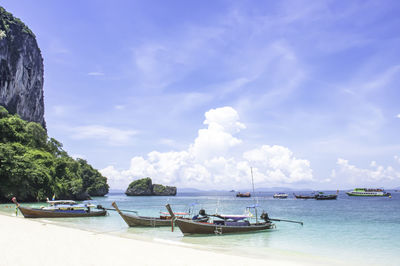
x=265, y=216
x=202, y=212
x=100, y=207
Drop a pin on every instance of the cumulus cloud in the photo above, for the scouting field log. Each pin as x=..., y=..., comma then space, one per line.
x=278, y=164
x=356, y=175
x=210, y=161
x=112, y=136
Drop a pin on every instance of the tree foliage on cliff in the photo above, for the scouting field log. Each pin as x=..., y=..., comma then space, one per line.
x=141, y=184
x=33, y=166
x=7, y=20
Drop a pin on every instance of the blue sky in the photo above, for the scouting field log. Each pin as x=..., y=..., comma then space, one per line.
x=193, y=93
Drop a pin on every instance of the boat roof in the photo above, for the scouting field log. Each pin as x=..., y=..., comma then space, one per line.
x=177, y=213
x=56, y=202
x=235, y=217
x=253, y=206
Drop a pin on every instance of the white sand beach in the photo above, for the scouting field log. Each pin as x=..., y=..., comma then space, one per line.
x=34, y=242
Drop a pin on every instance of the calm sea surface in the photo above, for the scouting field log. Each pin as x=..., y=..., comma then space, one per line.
x=353, y=230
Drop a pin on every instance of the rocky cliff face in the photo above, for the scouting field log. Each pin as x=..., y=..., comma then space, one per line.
x=145, y=187
x=160, y=190
x=21, y=70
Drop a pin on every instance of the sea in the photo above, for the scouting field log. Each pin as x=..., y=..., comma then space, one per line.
x=349, y=230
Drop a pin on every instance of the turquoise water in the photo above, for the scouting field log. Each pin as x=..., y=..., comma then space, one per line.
x=349, y=229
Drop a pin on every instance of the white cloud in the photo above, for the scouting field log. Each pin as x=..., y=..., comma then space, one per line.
x=211, y=160
x=112, y=136
x=217, y=139
x=357, y=175
x=119, y=107
x=397, y=158
x=279, y=165
x=398, y=116
x=95, y=74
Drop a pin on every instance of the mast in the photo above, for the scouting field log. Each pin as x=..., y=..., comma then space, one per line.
x=254, y=193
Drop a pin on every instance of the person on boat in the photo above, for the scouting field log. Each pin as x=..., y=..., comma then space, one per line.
x=202, y=214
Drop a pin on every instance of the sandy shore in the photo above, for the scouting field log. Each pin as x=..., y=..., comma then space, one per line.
x=33, y=242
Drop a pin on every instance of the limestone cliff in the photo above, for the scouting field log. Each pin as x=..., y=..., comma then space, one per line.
x=21, y=70
x=145, y=187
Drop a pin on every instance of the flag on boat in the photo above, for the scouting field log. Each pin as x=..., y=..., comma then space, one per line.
x=54, y=197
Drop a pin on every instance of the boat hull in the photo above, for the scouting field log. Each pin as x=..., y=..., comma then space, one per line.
x=304, y=197
x=39, y=213
x=135, y=220
x=280, y=196
x=190, y=227
x=367, y=195
x=328, y=197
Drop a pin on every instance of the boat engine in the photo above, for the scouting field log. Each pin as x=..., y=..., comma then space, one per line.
x=100, y=207
x=265, y=216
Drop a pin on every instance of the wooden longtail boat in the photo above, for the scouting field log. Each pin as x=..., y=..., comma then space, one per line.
x=60, y=210
x=243, y=195
x=162, y=220
x=136, y=220
x=304, y=196
x=224, y=226
x=322, y=196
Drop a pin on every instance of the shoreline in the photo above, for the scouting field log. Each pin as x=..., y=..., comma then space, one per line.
x=36, y=242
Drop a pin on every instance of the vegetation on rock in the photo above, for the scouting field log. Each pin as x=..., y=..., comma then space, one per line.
x=145, y=187
x=34, y=166
x=7, y=20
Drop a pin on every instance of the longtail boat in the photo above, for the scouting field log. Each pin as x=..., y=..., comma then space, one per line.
x=304, y=196
x=163, y=220
x=322, y=196
x=243, y=195
x=226, y=224
x=61, y=209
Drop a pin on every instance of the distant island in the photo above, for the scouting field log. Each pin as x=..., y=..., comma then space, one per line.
x=145, y=187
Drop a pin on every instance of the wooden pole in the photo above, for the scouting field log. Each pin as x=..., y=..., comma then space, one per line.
x=172, y=215
x=254, y=193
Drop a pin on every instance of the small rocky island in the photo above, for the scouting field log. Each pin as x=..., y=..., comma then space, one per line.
x=145, y=187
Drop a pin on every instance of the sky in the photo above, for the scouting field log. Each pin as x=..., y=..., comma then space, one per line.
x=195, y=93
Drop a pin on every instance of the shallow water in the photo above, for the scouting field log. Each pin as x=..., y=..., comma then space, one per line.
x=349, y=229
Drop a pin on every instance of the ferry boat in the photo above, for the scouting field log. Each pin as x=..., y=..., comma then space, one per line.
x=369, y=192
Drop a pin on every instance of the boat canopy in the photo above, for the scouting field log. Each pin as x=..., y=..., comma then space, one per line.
x=177, y=213
x=58, y=202
x=234, y=217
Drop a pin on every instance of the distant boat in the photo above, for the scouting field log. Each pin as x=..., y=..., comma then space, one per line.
x=61, y=208
x=323, y=196
x=369, y=192
x=280, y=196
x=243, y=195
x=232, y=190
x=304, y=196
x=146, y=221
